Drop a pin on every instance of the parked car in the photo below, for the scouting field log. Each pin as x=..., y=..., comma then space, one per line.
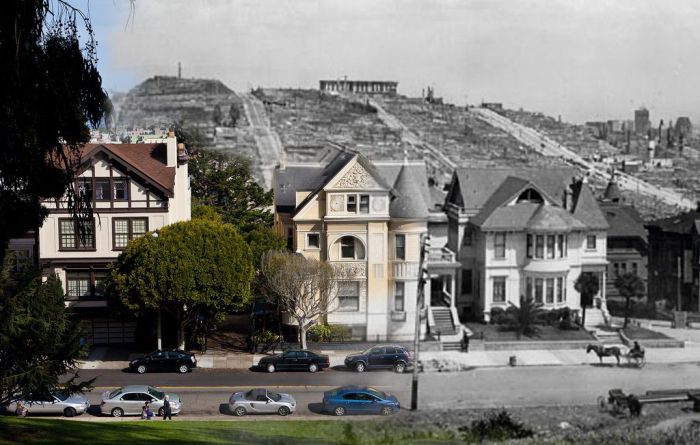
x=173, y=360
x=380, y=357
x=359, y=400
x=58, y=402
x=295, y=361
x=261, y=401
x=128, y=401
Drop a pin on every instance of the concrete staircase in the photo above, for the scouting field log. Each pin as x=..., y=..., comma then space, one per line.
x=444, y=325
x=594, y=317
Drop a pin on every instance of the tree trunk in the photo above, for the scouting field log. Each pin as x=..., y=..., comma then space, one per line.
x=302, y=334
x=627, y=312
x=159, y=330
x=583, y=318
x=180, y=330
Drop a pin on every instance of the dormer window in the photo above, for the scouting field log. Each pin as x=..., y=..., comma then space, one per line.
x=352, y=200
x=530, y=195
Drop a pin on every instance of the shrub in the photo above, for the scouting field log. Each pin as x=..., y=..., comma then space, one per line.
x=498, y=315
x=266, y=340
x=328, y=332
x=495, y=426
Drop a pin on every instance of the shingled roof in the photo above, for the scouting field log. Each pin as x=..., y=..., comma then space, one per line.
x=624, y=221
x=150, y=160
x=409, y=201
x=586, y=208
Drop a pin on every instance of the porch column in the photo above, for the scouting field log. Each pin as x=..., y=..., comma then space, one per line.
x=453, y=289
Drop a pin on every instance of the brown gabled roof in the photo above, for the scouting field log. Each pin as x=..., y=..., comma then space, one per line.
x=150, y=160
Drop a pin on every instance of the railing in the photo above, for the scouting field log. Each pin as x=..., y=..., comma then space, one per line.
x=404, y=269
x=441, y=255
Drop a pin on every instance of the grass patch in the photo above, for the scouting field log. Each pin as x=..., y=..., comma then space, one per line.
x=31, y=431
x=639, y=333
x=546, y=333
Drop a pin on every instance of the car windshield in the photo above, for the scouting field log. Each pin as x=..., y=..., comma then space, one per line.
x=115, y=393
x=376, y=392
x=274, y=396
x=155, y=393
x=60, y=395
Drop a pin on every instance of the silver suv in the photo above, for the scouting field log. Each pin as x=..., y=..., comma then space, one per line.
x=129, y=401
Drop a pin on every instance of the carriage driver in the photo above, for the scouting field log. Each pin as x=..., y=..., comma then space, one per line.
x=636, y=351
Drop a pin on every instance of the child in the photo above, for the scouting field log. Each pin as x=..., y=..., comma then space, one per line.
x=146, y=412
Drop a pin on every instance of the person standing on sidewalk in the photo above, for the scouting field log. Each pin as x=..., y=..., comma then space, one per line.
x=167, y=410
x=465, y=341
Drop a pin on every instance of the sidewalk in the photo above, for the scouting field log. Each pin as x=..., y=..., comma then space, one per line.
x=433, y=361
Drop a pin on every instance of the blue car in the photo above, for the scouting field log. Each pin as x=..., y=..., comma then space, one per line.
x=359, y=400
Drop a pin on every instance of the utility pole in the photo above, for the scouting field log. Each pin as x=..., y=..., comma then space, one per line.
x=420, y=299
x=678, y=303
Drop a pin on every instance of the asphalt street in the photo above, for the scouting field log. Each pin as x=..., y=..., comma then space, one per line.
x=206, y=391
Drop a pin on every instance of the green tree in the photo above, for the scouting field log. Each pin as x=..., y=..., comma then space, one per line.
x=194, y=268
x=50, y=90
x=39, y=339
x=227, y=184
x=304, y=288
x=629, y=285
x=587, y=285
x=524, y=318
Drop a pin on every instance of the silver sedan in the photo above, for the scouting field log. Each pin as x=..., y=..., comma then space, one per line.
x=57, y=403
x=129, y=400
x=261, y=401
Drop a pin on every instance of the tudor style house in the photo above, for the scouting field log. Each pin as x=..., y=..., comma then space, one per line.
x=523, y=233
x=134, y=188
x=367, y=217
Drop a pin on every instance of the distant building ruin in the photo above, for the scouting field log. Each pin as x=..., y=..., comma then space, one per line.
x=642, y=124
x=359, y=86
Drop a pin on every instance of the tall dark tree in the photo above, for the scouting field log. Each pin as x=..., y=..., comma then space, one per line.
x=50, y=90
x=227, y=184
x=587, y=285
x=39, y=340
x=630, y=286
x=234, y=114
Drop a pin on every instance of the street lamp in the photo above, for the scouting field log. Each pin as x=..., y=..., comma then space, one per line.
x=420, y=302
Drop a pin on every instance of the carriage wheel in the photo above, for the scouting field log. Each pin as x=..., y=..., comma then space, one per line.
x=602, y=404
x=642, y=361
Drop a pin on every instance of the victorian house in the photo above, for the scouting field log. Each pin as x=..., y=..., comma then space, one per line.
x=369, y=217
x=628, y=244
x=134, y=189
x=524, y=233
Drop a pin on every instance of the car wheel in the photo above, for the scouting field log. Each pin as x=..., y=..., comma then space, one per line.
x=283, y=411
x=117, y=412
x=141, y=369
x=386, y=411
x=360, y=367
x=339, y=411
x=161, y=412
x=313, y=367
x=183, y=369
x=69, y=412
x=400, y=368
x=270, y=368
x=240, y=411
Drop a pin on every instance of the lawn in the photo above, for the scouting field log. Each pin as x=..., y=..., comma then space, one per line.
x=31, y=431
x=638, y=333
x=546, y=333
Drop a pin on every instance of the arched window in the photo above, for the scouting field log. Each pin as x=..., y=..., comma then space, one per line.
x=351, y=248
x=530, y=195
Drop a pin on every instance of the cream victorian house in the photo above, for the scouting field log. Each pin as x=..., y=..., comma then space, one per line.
x=367, y=217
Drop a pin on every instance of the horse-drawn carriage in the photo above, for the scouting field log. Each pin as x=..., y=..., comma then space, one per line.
x=635, y=357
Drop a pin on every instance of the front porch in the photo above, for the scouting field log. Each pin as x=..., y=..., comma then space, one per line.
x=443, y=321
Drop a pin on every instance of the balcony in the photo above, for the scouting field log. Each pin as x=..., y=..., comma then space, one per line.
x=441, y=256
x=404, y=269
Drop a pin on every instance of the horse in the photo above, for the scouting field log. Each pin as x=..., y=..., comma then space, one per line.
x=603, y=351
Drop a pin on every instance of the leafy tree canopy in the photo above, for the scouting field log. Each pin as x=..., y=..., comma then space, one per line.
x=50, y=90
x=39, y=339
x=630, y=286
x=191, y=268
